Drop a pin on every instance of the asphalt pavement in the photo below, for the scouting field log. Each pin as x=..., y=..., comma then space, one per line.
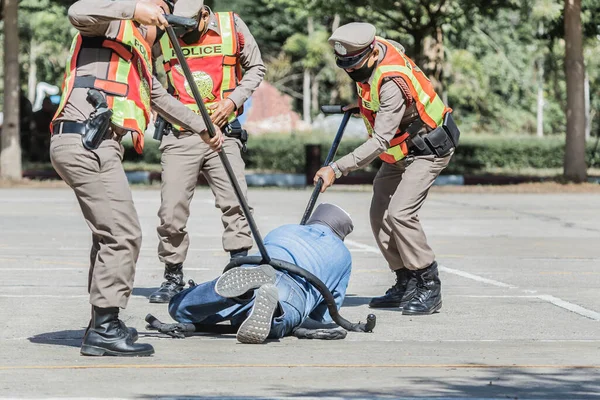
x=520, y=318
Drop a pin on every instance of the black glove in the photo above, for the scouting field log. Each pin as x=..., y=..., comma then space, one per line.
x=321, y=334
x=174, y=330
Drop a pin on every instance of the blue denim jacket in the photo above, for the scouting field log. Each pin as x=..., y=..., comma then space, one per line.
x=314, y=248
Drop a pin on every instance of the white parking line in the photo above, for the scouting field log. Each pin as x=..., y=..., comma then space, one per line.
x=476, y=277
x=570, y=306
x=577, y=309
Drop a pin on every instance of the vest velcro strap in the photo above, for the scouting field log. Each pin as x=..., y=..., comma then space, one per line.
x=399, y=139
x=119, y=48
x=109, y=87
x=230, y=60
x=167, y=65
x=124, y=51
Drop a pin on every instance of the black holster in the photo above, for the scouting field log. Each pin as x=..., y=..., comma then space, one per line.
x=162, y=127
x=439, y=142
x=97, y=126
x=234, y=129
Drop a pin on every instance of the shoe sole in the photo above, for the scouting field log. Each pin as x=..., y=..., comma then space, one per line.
x=255, y=329
x=394, y=306
x=434, y=309
x=159, y=301
x=240, y=280
x=87, y=350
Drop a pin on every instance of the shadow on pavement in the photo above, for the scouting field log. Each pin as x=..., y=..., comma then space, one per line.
x=70, y=338
x=353, y=300
x=496, y=383
x=143, y=292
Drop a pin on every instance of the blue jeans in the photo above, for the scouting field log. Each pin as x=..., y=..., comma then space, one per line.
x=202, y=305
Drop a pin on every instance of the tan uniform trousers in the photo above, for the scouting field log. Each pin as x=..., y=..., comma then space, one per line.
x=182, y=160
x=100, y=185
x=399, y=191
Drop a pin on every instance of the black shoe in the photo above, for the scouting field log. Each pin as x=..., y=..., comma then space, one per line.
x=399, y=294
x=171, y=286
x=428, y=296
x=237, y=254
x=108, y=336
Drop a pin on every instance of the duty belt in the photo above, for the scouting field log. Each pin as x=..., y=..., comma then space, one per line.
x=68, y=127
x=75, y=128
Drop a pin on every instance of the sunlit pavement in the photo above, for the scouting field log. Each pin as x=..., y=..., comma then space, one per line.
x=521, y=314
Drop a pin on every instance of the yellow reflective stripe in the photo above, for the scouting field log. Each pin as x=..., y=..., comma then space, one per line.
x=123, y=109
x=433, y=107
x=228, y=46
x=226, y=33
x=69, y=79
x=396, y=152
x=165, y=48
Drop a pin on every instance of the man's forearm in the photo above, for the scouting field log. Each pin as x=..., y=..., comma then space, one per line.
x=362, y=155
x=174, y=111
x=93, y=17
x=252, y=63
x=252, y=79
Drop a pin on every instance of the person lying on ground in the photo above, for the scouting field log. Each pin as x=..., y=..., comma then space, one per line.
x=263, y=302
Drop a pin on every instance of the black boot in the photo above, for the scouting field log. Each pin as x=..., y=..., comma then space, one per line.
x=399, y=294
x=428, y=297
x=108, y=336
x=133, y=333
x=238, y=253
x=172, y=285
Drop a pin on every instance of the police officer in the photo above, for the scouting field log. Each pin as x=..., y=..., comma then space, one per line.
x=216, y=52
x=110, y=58
x=406, y=120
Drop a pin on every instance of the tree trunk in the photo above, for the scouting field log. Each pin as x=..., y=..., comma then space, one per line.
x=315, y=95
x=540, y=99
x=433, y=58
x=574, y=162
x=32, y=74
x=306, y=96
x=588, y=116
x=336, y=22
x=10, y=153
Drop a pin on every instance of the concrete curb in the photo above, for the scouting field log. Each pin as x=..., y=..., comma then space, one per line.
x=299, y=180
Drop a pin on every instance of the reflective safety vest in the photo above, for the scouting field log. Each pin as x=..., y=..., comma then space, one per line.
x=430, y=107
x=127, y=84
x=214, y=62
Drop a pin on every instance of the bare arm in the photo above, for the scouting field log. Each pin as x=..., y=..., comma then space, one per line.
x=387, y=122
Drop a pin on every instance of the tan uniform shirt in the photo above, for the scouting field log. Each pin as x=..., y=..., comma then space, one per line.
x=389, y=117
x=102, y=18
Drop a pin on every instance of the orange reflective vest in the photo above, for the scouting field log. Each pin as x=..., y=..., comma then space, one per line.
x=429, y=105
x=127, y=84
x=213, y=60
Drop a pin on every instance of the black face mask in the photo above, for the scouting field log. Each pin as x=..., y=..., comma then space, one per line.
x=362, y=74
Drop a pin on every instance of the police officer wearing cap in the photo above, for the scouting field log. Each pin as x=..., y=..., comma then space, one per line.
x=108, y=92
x=217, y=52
x=412, y=131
